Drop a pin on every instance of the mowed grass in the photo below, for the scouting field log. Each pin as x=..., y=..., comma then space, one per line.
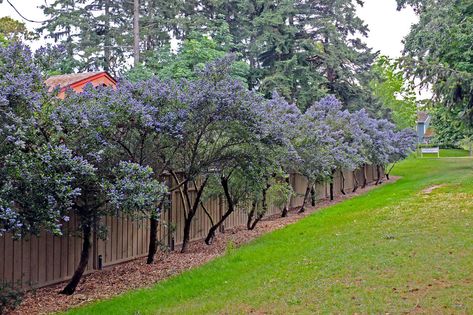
x=396, y=249
x=448, y=153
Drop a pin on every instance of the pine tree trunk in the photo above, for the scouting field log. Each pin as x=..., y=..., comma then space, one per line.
x=136, y=32
x=107, y=41
x=153, y=239
x=84, y=260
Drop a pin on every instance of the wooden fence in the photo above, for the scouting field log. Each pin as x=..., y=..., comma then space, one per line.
x=47, y=259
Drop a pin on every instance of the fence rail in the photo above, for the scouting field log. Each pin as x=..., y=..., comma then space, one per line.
x=42, y=260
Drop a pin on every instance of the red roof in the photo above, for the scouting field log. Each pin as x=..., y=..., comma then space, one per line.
x=75, y=79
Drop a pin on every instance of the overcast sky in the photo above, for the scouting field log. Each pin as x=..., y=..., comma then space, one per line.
x=387, y=26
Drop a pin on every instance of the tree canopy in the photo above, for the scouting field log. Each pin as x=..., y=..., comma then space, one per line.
x=438, y=52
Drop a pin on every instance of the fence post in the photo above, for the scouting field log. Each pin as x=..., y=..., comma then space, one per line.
x=169, y=208
x=221, y=228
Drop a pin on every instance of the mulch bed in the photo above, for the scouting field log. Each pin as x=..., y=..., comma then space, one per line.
x=137, y=274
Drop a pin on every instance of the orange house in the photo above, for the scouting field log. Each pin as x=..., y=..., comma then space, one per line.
x=77, y=81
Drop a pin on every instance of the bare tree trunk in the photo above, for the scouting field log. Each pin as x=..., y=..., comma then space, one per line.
x=378, y=175
x=284, y=212
x=192, y=211
x=365, y=180
x=251, y=214
x=264, y=209
x=84, y=260
x=258, y=218
x=356, y=183
x=136, y=32
x=342, y=188
x=186, y=235
x=331, y=185
x=211, y=235
x=312, y=196
x=231, y=207
x=153, y=239
x=153, y=232
x=306, y=196
x=388, y=172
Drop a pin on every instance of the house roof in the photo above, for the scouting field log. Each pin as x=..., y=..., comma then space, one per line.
x=422, y=117
x=75, y=79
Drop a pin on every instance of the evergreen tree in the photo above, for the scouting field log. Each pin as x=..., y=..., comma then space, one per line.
x=301, y=49
x=342, y=58
x=437, y=52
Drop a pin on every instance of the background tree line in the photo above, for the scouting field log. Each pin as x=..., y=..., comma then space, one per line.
x=438, y=55
x=301, y=49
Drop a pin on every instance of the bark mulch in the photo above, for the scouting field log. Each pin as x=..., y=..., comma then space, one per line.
x=136, y=274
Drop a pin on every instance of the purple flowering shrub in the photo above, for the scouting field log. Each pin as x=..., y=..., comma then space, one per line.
x=346, y=143
x=42, y=186
x=404, y=143
x=134, y=189
x=113, y=131
x=67, y=157
x=105, y=151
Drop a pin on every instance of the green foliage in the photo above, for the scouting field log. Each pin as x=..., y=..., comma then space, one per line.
x=279, y=194
x=395, y=94
x=303, y=50
x=191, y=57
x=10, y=297
x=138, y=73
x=13, y=30
x=438, y=52
x=449, y=128
x=3, y=40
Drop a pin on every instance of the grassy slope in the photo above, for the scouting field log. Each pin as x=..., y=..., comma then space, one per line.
x=395, y=249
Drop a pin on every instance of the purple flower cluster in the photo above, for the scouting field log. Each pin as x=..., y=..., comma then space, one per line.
x=108, y=147
x=326, y=138
x=9, y=221
x=133, y=189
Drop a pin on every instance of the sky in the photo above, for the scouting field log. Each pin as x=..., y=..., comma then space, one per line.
x=387, y=25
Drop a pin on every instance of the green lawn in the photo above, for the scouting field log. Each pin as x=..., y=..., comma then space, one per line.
x=448, y=153
x=395, y=249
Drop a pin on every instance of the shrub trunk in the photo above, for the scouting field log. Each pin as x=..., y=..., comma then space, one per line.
x=84, y=260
